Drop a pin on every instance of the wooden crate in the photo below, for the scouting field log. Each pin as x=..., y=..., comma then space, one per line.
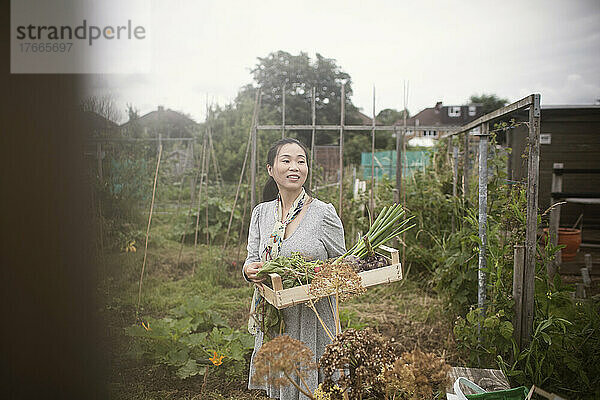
x=283, y=298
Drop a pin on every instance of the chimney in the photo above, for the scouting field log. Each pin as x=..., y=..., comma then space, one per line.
x=438, y=105
x=161, y=108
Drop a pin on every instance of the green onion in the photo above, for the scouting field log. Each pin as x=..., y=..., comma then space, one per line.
x=386, y=226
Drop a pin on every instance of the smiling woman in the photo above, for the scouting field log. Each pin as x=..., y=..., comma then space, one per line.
x=291, y=220
x=287, y=168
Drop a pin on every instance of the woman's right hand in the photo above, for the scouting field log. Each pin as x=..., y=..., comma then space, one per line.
x=251, y=271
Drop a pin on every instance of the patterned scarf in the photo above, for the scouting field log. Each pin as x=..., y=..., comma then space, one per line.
x=272, y=251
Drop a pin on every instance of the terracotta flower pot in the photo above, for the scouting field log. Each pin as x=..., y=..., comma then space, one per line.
x=570, y=238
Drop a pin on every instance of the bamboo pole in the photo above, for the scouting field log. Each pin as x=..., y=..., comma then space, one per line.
x=402, y=169
x=148, y=229
x=180, y=194
x=237, y=190
x=312, y=137
x=372, y=202
x=189, y=213
x=199, y=202
x=342, y=115
x=215, y=162
x=246, y=195
x=347, y=128
x=253, y=155
x=283, y=112
x=398, y=165
x=208, y=158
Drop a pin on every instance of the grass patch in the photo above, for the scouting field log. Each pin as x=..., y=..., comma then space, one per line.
x=405, y=310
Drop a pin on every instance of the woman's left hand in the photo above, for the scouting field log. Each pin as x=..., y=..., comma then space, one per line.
x=251, y=271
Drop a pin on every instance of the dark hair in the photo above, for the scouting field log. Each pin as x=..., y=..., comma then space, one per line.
x=270, y=190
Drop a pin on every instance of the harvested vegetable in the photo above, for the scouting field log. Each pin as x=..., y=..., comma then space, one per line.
x=296, y=270
x=386, y=226
x=368, y=263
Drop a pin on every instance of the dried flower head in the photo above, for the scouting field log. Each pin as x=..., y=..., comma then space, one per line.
x=331, y=394
x=365, y=354
x=280, y=359
x=416, y=375
x=337, y=278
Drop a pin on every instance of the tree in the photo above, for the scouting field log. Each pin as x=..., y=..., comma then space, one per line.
x=102, y=105
x=389, y=116
x=133, y=128
x=490, y=102
x=299, y=74
x=231, y=123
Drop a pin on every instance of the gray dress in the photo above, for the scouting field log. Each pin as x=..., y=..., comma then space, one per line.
x=320, y=235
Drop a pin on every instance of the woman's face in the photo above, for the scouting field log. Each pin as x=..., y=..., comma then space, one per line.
x=289, y=169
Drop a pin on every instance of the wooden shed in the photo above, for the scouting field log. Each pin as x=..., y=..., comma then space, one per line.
x=328, y=157
x=569, y=135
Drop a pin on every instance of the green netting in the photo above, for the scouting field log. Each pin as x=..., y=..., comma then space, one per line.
x=385, y=163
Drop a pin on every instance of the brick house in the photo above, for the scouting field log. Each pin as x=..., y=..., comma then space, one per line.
x=441, y=117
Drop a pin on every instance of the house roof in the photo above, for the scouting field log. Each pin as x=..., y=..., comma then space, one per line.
x=366, y=120
x=438, y=116
x=168, y=122
x=160, y=115
x=95, y=121
x=96, y=125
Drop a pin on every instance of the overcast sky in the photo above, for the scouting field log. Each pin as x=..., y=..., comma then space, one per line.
x=446, y=50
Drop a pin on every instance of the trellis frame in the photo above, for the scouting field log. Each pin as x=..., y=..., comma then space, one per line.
x=342, y=127
x=525, y=304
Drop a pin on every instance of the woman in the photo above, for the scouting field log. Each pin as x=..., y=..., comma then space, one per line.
x=291, y=220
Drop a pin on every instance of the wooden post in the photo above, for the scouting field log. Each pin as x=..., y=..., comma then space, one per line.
x=342, y=108
x=454, y=179
x=579, y=291
x=372, y=202
x=585, y=275
x=518, y=263
x=588, y=261
x=509, y=159
x=99, y=158
x=533, y=165
x=483, y=178
x=466, y=170
x=555, y=217
x=312, y=136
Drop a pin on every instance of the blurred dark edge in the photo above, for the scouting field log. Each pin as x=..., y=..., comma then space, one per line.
x=51, y=331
